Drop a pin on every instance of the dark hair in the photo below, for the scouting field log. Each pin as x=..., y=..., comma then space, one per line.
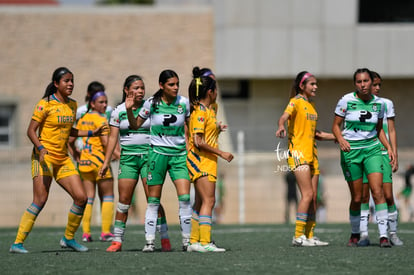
x=200, y=85
x=93, y=87
x=364, y=70
x=297, y=82
x=57, y=75
x=128, y=82
x=163, y=78
x=376, y=75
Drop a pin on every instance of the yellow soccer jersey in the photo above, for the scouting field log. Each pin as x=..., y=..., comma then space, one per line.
x=200, y=163
x=203, y=120
x=56, y=120
x=302, y=128
x=93, y=152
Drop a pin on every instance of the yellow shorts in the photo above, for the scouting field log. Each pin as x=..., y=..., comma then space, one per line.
x=52, y=167
x=295, y=163
x=93, y=175
x=199, y=166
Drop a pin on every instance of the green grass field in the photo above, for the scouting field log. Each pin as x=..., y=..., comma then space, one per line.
x=252, y=249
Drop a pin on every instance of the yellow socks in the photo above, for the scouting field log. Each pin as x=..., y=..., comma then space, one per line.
x=87, y=215
x=195, y=228
x=301, y=219
x=26, y=222
x=205, y=229
x=74, y=220
x=107, y=213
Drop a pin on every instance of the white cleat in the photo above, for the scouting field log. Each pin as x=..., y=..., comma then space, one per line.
x=317, y=242
x=302, y=241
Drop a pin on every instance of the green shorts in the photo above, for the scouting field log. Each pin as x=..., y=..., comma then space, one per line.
x=159, y=165
x=357, y=162
x=387, y=174
x=131, y=166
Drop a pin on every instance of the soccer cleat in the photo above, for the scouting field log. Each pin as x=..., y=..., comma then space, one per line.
x=302, y=241
x=353, y=240
x=194, y=247
x=165, y=245
x=384, y=242
x=65, y=243
x=364, y=241
x=106, y=237
x=186, y=242
x=210, y=247
x=149, y=247
x=114, y=247
x=86, y=237
x=18, y=248
x=395, y=240
x=317, y=242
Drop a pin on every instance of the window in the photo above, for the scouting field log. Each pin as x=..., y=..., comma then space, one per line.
x=234, y=88
x=7, y=120
x=386, y=11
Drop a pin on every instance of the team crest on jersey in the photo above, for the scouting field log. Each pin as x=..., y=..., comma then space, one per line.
x=200, y=119
x=375, y=107
x=180, y=109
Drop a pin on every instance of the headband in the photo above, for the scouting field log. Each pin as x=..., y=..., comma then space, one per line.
x=304, y=77
x=207, y=73
x=98, y=94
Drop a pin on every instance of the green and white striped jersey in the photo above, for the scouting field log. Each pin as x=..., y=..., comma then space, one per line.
x=133, y=142
x=360, y=118
x=167, y=125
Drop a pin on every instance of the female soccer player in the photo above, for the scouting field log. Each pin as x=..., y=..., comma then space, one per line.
x=202, y=159
x=91, y=160
x=361, y=115
x=389, y=129
x=169, y=114
x=133, y=163
x=49, y=131
x=303, y=160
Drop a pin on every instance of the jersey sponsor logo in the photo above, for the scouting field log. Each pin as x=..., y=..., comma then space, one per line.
x=65, y=119
x=169, y=119
x=200, y=119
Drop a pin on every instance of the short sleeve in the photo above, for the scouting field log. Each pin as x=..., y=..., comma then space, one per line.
x=146, y=109
x=40, y=111
x=341, y=107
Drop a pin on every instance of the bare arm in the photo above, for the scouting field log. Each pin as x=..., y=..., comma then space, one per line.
x=202, y=145
x=32, y=134
x=112, y=142
x=281, y=131
x=383, y=138
x=392, y=133
x=336, y=130
x=320, y=135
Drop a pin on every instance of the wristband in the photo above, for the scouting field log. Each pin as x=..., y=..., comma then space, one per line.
x=90, y=133
x=40, y=147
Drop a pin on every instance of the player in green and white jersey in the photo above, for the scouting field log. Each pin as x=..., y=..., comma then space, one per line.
x=389, y=129
x=361, y=115
x=133, y=162
x=169, y=114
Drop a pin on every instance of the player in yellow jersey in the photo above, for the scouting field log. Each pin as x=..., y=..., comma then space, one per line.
x=202, y=156
x=91, y=160
x=49, y=131
x=303, y=160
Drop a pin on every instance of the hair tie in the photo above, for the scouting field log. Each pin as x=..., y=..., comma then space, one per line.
x=198, y=83
x=304, y=77
x=98, y=94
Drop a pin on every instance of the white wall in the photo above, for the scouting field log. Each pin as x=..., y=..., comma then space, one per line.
x=278, y=38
